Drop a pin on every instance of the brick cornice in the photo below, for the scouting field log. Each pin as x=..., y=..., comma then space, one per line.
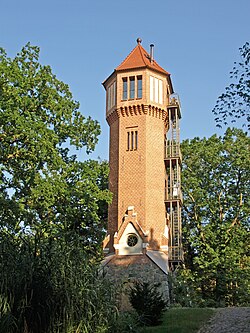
x=112, y=116
x=137, y=110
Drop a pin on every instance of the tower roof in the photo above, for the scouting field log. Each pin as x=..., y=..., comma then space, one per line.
x=139, y=58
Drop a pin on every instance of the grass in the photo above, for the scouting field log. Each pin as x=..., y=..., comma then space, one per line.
x=182, y=320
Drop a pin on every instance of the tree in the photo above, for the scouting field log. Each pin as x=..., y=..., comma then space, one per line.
x=234, y=103
x=148, y=303
x=52, y=206
x=216, y=211
x=39, y=121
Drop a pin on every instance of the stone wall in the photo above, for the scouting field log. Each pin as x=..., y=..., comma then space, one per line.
x=122, y=271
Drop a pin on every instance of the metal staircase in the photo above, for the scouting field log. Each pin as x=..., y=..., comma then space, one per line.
x=173, y=194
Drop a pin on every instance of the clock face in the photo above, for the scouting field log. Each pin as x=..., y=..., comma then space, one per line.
x=132, y=240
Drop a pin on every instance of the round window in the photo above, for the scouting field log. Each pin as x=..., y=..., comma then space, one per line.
x=132, y=240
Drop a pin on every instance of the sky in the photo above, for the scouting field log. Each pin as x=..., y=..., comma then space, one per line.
x=197, y=41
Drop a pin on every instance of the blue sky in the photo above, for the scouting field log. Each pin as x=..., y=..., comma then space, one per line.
x=197, y=41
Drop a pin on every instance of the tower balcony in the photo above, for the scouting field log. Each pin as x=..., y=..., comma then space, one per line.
x=172, y=150
x=175, y=254
x=175, y=104
x=173, y=193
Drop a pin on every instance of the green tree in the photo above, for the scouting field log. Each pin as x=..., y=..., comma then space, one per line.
x=234, y=103
x=41, y=182
x=216, y=211
x=148, y=303
x=52, y=206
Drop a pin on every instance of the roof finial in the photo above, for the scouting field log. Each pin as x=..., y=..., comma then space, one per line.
x=139, y=40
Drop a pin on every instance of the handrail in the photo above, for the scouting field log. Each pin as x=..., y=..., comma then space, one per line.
x=174, y=99
x=172, y=150
x=175, y=253
x=173, y=193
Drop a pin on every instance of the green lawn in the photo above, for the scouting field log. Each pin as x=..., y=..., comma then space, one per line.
x=182, y=320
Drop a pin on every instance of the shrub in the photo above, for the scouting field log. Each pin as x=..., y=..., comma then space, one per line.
x=148, y=302
x=124, y=322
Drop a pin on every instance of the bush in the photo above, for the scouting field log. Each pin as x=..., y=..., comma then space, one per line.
x=148, y=302
x=124, y=322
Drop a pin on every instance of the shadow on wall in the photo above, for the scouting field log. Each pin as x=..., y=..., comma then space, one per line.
x=153, y=243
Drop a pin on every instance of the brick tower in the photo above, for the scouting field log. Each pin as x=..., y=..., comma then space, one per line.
x=144, y=224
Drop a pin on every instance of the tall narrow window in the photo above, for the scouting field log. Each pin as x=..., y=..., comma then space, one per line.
x=156, y=90
x=111, y=95
x=160, y=92
x=114, y=94
x=125, y=88
x=139, y=86
x=151, y=88
x=156, y=99
x=108, y=98
x=136, y=140
x=132, y=87
x=128, y=140
x=132, y=140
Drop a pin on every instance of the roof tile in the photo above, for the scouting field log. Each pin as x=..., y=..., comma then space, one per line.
x=139, y=58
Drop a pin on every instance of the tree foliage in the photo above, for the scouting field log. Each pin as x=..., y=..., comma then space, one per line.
x=234, y=103
x=52, y=206
x=216, y=211
x=42, y=185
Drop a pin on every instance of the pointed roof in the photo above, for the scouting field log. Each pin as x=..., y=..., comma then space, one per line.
x=139, y=58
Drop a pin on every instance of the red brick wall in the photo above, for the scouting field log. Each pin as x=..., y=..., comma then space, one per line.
x=137, y=178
